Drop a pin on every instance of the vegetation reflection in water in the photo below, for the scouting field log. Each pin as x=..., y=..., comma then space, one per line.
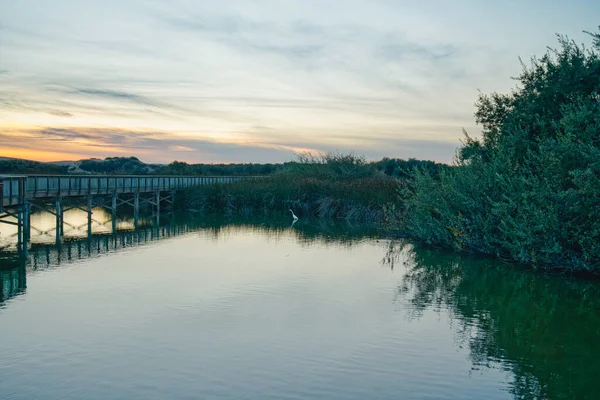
x=543, y=330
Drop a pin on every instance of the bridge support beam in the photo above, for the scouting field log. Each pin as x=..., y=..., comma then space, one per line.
x=26, y=221
x=115, y=197
x=19, y=228
x=157, y=207
x=59, y=219
x=136, y=210
x=170, y=200
x=89, y=215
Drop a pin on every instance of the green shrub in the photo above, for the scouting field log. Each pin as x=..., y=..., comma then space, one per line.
x=529, y=190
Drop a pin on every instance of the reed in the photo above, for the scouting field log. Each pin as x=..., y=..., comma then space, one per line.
x=331, y=186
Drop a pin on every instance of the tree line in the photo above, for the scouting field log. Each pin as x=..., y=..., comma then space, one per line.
x=398, y=168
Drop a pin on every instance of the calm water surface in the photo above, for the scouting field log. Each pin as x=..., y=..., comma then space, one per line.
x=203, y=309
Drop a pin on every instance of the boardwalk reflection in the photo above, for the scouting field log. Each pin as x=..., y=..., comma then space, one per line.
x=43, y=255
x=116, y=235
x=13, y=282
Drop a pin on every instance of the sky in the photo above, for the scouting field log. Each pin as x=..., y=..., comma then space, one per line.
x=258, y=81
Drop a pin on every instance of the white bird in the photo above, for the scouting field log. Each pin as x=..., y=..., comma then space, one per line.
x=293, y=215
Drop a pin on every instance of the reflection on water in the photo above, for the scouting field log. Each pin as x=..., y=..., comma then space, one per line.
x=13, y=283
x=211, y=308
x=113, y=236
x=544, y=329
x=43, y=226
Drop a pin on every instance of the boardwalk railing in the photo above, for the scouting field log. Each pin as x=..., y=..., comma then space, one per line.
x=15, y=189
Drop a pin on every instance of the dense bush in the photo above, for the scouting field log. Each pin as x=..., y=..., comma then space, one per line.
x=529, y=190
x=403, y=168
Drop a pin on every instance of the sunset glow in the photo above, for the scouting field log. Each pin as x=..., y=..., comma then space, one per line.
x=249, y=82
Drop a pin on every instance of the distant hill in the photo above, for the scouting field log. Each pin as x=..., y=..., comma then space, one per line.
x=11, y=158
x=129, y=166
x=108, y=166
x=62, y=163
x=133, y=166
x=114, y=166
x=19, y=166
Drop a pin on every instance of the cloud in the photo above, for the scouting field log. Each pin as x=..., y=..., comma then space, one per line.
x=401, y=50
x=110, y=94
x=261, y=78
x=117, y=96
x=157, y=146
x=181, y=148
x=60, y=113
x=153, y=146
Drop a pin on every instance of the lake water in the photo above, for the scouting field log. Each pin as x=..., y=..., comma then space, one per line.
x=203, y=308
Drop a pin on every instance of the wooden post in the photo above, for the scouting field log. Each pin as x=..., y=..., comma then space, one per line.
x=158, y=201
x=114, y=212
x=19, y=227
x=58, y=214
x=26, y=221
x=1, y=196
x=62, y=218
x=136, y=209
x=21, y=191
x=157, y=207
x=89, y=212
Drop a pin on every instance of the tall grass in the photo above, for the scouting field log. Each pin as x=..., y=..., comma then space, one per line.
x=329, y=186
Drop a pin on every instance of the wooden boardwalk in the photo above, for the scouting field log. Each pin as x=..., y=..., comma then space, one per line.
x=22, y=194
x=17, y=189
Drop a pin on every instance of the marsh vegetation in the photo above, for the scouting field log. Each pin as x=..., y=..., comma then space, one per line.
x=332, y=186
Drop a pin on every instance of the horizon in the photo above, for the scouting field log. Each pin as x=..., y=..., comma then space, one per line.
x=368, y=160
x=257, y=82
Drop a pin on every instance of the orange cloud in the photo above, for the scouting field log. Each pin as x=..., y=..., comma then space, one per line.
x=182, y=148
x=41, y=155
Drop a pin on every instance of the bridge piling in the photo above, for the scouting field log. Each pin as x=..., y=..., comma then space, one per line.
x=26, y=222
x=59, y=219
x=19, y=229
x=136, y=209
x=157, y=207
x=89, y=215
x=115, y=197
